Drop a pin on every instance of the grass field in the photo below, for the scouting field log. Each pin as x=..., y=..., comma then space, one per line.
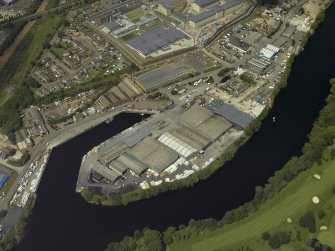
x=293, y=201
x=40, y=33
x=135, y=14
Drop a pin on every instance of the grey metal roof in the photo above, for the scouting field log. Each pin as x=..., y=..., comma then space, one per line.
x=105, y=172
x=229, y=112
x=239, y=43
x=114, y=25
x=215, y=10
x=137, y=136
x=289, y=31
x=118, y=167
x=204, y=3
x=228, y=5
x=133, y=163
x=163, y=75
x=203, y=16
x=156, y=39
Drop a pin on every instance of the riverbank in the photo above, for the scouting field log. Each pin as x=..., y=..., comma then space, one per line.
x=139, y=194
x=312, y=190
x=277, y=208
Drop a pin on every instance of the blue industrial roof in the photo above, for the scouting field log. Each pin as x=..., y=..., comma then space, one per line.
x=156, y=39
x=230, y=113
x=3, y=180
x=215, y=10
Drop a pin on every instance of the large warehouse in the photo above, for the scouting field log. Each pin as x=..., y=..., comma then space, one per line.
x=205, y=122
x=215, y=13
x=155, y=40
x=162, y=76
x=200, y=5
x=177, y=145
x=154, y=154
x=229, y=112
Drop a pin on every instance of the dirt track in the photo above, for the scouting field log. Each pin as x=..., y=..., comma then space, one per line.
x=11, y=49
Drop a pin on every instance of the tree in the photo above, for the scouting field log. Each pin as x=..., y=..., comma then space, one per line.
x=279, y=238
x=174, y=91
x=134, y=67
x=168, y=235
x=308, y=221
x=266, y=236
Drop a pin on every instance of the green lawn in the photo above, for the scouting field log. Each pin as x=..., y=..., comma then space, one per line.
x=152, y=25
x=135, y=14
x=58, y=52
x=293, y=202
x=39, y=34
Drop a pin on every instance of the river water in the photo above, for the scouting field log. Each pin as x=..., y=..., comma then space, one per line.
x=62, y=220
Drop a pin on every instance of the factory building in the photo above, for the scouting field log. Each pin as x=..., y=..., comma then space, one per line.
x=157, y=39
x=215, y=13
x=238, y=44
x=162, y=76
x=289, y=31
x=154, y=154
x=166, y=7
x=269, y=52
x=229, y=112
x=200, y=5
x=258, y=65
x=177, y=145
x=118, y=27
x=107, y=173
x=3, y=179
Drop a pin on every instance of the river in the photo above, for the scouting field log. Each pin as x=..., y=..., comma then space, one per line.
x=62, y=220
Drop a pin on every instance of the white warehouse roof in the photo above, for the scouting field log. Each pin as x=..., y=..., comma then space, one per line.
x=177, y=145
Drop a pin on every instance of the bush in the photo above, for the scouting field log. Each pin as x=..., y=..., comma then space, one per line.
x=278, y=239
x=308, y=221
x=266, y=236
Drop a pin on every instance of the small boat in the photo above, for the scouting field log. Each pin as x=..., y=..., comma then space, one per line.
x=274, y=119
x=109, y=120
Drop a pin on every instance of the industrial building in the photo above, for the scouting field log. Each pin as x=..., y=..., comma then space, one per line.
x=105, y=172
x=166, y=6
x=118, y=27
x=215, y=13
x=198, y=128
x=3, y=179
x=157, y=39
x=200, y=5
x=235, y=87
x=182, y=148
x=154, y=154
x=229, y=112
x=258, y=65
x=238, y=44
x=289, y=31
x=204, y=122
x=269, y=52
x=162, y=76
